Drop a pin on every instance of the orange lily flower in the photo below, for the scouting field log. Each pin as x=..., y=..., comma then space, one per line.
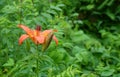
x=37, y=36
x=32, y=34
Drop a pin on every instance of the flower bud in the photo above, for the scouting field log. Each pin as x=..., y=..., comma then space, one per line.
x=47, y=41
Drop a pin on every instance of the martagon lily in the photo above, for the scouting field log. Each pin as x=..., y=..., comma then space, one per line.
x=37, y=36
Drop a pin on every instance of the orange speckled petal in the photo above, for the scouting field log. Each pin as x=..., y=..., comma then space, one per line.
x=46, y=32
x=40, y=39
x=26, y=29
x=22, y=38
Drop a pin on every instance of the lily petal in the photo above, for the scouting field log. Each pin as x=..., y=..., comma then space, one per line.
x=55, y=39
x=26, y=29
x=22, y=38
x=46, y=32
x=40, y=39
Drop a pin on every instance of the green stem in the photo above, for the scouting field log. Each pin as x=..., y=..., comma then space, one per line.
x=37, y=62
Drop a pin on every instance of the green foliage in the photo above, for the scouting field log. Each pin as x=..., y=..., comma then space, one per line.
x=88, y=34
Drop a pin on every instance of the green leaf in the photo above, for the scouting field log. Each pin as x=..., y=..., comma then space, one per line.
x=52, y=12
x=10, y=62
x=110, y=2
x=46, y=15
x=108, y=72
x=79, y=36
x=27, y=45
x=56, y=8
x=103, y=4
x=79, y=57
x=68, y=45
x=60, y=5
x=89, y=7
x=110, y=15
x=116, y=75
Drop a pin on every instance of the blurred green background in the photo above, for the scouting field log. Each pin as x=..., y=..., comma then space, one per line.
x=88, y=34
